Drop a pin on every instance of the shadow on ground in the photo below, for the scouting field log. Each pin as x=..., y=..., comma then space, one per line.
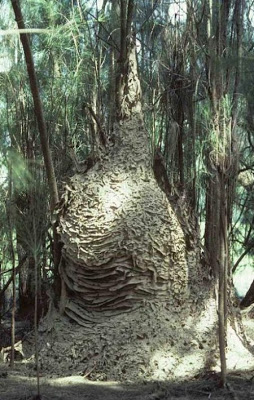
x=15, y=386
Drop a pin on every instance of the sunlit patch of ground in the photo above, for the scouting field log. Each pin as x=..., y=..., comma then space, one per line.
x=240, y=353
x=238, y=356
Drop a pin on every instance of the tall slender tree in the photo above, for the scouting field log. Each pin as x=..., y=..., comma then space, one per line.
x=37, y=105
x=222, y=155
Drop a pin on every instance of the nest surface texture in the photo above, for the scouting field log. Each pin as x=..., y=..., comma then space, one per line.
x=123, y=244
x=144, y=304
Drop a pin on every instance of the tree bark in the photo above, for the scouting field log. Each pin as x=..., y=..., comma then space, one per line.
x=37, y=106
x=221, y=162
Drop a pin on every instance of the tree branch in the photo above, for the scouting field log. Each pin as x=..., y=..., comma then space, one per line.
x=247, y=250
x=248, y=298
x=21, y=263
x=102, y=134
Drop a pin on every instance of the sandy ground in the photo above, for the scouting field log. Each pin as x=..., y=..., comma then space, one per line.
x=20, y=383
x=15, y=386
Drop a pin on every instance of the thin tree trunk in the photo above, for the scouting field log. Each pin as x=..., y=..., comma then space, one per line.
x=223, y=277
x=7, y=284
x=37, y=105
x=111, y=118
x=220, y=161
x=54, y=198
x=123, y=18
x=13, y=310
x=10, y=212
x=1, y=304
x=36, y=312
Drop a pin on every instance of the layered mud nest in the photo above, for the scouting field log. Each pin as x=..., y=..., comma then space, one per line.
x=144, y=304
x=156, y=341
x=150, y=343
x=123, y=244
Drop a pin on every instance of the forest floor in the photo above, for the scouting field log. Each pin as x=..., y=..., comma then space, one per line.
x=15, y=386
x=20, y=383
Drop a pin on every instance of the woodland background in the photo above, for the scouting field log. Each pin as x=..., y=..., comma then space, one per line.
x=196, y=70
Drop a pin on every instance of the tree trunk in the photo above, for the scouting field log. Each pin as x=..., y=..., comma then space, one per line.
x=37, y=106
x=221, y=161
x=11, y=216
